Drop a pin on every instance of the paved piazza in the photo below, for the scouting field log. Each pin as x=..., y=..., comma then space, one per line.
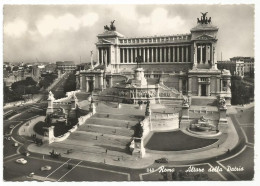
x=88, y=157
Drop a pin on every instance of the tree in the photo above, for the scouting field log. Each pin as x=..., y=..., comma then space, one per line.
x=70, y=84
x=15, y=68
x=10, y=96
x=241, y=92
x=138, y=130
x=8, y=69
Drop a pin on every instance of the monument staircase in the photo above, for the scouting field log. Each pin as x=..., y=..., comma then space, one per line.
x=170, y=97
x=110, y=129
x=204, y=101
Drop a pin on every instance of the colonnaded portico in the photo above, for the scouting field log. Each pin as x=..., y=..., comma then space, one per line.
x=184, y=62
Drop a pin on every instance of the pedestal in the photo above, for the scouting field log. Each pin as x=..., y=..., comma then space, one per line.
x=223, y=124
x=185, y=122
x=137, y=148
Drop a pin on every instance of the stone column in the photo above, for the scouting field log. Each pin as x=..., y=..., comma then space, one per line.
x=160, y=60
x=214, y=58
x=98, y=56
x=182, y=54
x=195, y=55
x=87, y=84
x=123, y=55
x=180, y=85
x=201, y=48
x=190, y=83
x=105, y=58
x=207, y=54
x=208, y=90
x=135, y=54
x=199, y=91
x=132, y=55
x=187, y=54
x=93, y=80
x=152, y=54
x=156, y=54
x=178, y=54
x=169, y=54
x=127, y=55
x=144, y=54
x=81, y=82
x=101, y=81
x=102, y=56
x=148, y=55
x=228, y=84
x=173, y=54
x=164, y=51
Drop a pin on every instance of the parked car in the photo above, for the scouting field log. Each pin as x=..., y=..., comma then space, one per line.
x=21, y=161
x=11, y=126
x=7, y=138
x=15, y=144
x=46, y=168
x=162, y=160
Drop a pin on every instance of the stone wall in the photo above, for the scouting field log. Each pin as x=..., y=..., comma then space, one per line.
x=81, y=121
x=164, y=122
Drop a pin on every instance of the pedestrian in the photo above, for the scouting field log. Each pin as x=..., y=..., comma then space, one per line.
x=106, y=151
x=104, y=161
x=118, y=158
x=218, y=145
x=96, y=137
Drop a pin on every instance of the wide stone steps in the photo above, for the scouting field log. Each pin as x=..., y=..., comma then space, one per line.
x=111, y=122
x=107, y=129
x=118, y=116
x=107, y=139
x=204, y=101
x=88, y=146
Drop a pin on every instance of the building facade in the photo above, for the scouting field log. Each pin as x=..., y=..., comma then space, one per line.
x=66, y=66
x=248, y=63
x=185, y=63
x=236, y=68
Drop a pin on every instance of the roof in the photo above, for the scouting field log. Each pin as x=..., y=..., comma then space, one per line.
x=243, y=58
x=65, y=63
x=204, y=27
x=108, y=33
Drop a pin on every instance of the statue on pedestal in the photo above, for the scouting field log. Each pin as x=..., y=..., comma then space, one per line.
x=51, y=96
x=222, y=103
x=204, y=19
x=112, y=26
x=185, y=101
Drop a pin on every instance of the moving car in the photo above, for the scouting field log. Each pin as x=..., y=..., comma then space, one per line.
x=162, y=160
x=46, y=168
x=21, y=161
x=26, y=153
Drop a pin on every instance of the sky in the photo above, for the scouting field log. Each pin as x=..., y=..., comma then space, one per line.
x=50, y=33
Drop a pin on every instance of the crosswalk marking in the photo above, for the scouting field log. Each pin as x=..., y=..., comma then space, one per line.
x=69, y=170
x=58, y=168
